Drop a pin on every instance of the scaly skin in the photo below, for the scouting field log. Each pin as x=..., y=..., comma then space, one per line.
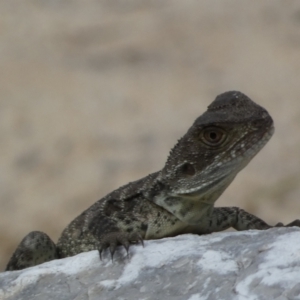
x=177, y=199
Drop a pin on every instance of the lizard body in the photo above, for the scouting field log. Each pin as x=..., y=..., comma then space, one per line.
x=175, y=200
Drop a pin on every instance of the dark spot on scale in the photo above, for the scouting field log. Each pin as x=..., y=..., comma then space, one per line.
x=159, y=186
x=165, y=217
x=129, y=205
x=121, y=217
x=155, y=222
x=144, y=226
x=130, y=229
x=127, y=222
x=158, y=214
x=112, y=206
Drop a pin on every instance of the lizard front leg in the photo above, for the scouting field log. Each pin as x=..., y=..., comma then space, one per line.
x=223, y=218
x=101, y=232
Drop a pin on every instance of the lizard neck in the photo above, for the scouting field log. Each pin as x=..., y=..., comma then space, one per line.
x=190, y=207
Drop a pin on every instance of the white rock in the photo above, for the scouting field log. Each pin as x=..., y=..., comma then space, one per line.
x=258, y=265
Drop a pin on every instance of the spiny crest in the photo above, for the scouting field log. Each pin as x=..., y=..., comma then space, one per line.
x=174, y=152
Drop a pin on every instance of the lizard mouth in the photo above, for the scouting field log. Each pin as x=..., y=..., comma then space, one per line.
x=195, y=193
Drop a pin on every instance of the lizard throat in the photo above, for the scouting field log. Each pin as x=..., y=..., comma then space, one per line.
x=191, y=207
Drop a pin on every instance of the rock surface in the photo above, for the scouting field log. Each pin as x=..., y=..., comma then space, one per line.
x=259, y=265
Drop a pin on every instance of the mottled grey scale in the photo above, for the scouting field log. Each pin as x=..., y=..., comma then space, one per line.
x=34, y=249
x=177, y=199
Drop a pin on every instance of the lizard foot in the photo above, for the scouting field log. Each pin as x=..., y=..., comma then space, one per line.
x=294, y=223
x=113, y=239
x=36, y=248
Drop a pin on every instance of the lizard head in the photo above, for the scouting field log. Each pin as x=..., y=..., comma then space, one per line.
x=219, y=144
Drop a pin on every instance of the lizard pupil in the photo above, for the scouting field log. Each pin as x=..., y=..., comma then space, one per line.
x=213, y=135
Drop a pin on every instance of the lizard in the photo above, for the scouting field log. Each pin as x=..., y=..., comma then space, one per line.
x=177, y=199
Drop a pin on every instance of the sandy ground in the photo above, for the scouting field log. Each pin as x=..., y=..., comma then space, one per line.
x=93, y=94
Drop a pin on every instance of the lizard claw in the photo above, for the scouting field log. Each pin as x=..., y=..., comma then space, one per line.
x=136, y=237
x=113, y=239
x=112, y=249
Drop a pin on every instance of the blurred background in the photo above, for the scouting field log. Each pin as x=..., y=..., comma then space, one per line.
x=93, y=94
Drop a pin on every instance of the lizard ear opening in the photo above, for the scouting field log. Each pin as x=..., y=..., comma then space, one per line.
x=188, y=169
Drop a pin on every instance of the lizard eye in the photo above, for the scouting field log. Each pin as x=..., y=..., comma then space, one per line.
x=213, y=136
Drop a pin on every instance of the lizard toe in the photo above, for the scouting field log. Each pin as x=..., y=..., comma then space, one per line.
x=136, y=237
x=113, y=239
